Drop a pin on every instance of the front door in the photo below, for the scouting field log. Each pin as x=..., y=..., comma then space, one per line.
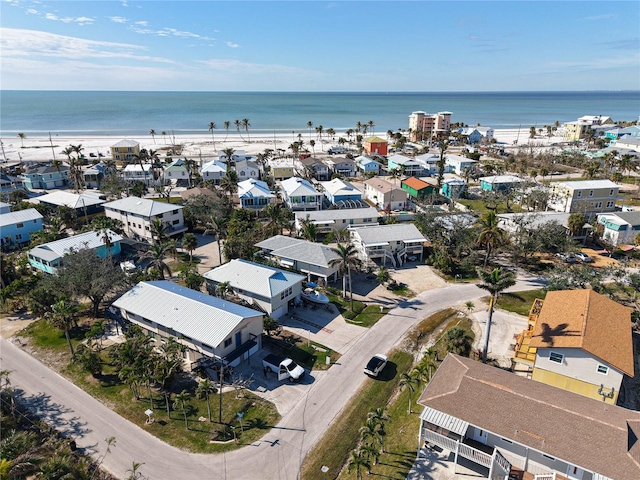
x=480, y=435
x=574, y=473
x=238, y=339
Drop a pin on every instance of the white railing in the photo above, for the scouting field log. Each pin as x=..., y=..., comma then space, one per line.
x=474, y=455
x=545, y=476
x=439, y=440
x=450, y=444
x=502, y=463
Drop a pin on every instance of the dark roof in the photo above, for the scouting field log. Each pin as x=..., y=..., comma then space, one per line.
x=591, y=434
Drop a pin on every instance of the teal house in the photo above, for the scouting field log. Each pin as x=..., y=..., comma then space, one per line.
x=47, y=177
x=15, y=227
x=454, y=188
x=500, y=183
x=49, y=257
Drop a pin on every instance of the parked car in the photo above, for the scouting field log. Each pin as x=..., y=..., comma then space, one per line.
x=376, y=365
x=583, y=257
x=566, y=257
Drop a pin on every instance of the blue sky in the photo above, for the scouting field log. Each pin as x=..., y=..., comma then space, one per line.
x=319, y=46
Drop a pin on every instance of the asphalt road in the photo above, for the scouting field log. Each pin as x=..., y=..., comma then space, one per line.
x=278, y=455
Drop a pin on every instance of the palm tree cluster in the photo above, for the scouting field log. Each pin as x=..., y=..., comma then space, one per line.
x=347, y=260
x=371, y=444
x=75, y=159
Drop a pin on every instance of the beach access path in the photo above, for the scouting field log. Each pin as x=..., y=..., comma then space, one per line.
x=278, y=455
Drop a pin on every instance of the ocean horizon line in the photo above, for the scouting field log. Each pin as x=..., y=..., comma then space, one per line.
x=342, y=92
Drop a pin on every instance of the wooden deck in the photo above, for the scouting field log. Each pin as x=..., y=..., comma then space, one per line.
x=518, y=474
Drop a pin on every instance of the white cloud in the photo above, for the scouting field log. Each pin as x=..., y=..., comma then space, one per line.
x=230, y=66
x=142, y=23
x=141, y=28
x=32, y=11
x=17, y=43
x=118, y=19
x=232, y=45
x=78, y=20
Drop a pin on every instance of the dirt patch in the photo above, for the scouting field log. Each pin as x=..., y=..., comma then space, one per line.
x=600, y=258
x=12, y=324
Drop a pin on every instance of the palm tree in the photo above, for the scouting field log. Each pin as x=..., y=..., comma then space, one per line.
x=152, y=132
x=319, y=130
x=277, y=216
x=156, y=255
x=22, y=136
x=441, y=162
x=238, y=124
x=205, y=387
x=309, y=125
x=370, y=124
x=346, y=261
x=227, y=125
x=357, y=462
x=181, y=399
x=190, y=243
x=458, y=341
x=246, y=125
x=158, y=230
x=217, y=226
x=62, y=316
x=212, y=127
x=383, y=275
x=494, y=282
x=229, y=183
x=222, y=289
x=576, y=222
x=409, y=381
x=228, y=153
x=164, y=137
x=491, y=236
x=309, y=230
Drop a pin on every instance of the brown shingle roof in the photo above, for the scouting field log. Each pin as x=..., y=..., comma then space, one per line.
x=587, y=320
x=593, y=435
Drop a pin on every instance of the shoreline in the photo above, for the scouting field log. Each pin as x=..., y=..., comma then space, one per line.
x=38, y=148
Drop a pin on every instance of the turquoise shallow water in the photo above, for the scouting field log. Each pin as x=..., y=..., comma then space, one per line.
x=136, y=113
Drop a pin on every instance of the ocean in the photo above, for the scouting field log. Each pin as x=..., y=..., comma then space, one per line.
x=36, y=113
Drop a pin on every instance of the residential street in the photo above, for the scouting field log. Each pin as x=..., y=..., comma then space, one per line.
x=277, y=456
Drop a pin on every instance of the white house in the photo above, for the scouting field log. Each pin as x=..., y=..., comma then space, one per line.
x=310, y=258
x=620, y=228
x=176, y=172
x=336, y=190
x=393, y=242
x=255, y=194
x=210, y=327
x=385, y=195
x=137, y=214
x=339, y=219
x=299, y=194
x=268, y=289
x=246, y=169
x=213, y=171
x=134, y=172
x=458, y=164
x=366, y=165
x=513, y=427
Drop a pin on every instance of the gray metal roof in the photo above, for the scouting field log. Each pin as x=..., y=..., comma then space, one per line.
x=252, y=277
x=299, y=250
x=19, y=216
x=443, y=420
x=64, y=246
x=71, y=200
x=197, y=315
x=253, y=188
x=142, y=206
x=406, y=232
x=296, y=186
x=341, y=214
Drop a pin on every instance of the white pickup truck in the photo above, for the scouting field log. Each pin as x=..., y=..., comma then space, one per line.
x=283, y=367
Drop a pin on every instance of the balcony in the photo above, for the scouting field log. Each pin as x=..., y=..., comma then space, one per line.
x=523, y=352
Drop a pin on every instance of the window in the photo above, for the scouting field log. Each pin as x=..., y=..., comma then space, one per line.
x=175, y=222
x=19, y=225
x=611, y=192
x=591, y=193
x=549, y=457
x=160, y=216
x=175, y=212
x=610, y=204
x=556, y=357
x=603, y=369
x=505, y=440
x=599, y=205
x=228, y=342
x=579, y=193
x=19, y=236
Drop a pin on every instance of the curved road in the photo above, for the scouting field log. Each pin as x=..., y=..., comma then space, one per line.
x=278, y=455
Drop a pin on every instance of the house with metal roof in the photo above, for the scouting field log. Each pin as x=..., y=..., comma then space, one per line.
x=312, y=167
x=95, y=174
x=338, y=190
x=409, y=166
x=620, y=228
x=125, y=151
x=375, y=145
x=454, y=188
x=265, y=288
x=513, y=222
x=247, y=169
x=584, y=196
x=500, y=183
x=16, y=227
x=393, y=243
x=85, y=204
x=137, y=214
x=457, y=164
x=49, y=257
x=578, y=340
x=213, y=171
x=342, y=166
x=513, y=427
x=282, y=167
x=176, y=173
x=338, y=219
x=47, y=177
x=299, y=194
x=367, y=165
x=5, y=207
x=312, y=259
x=254, y=194
x=134, y=172
x=210, y=327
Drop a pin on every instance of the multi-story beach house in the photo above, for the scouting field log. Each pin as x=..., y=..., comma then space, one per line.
x=418, y=188
x=578, y=340
x=409, y=166
x=454, y=188
x=125, y=151
x=385, y=195
x=85, y=205
x=576, y=130
x=338, y=219
x=16, y=227
x=49, y=257
x=342, y=166
x=338, y=190
x=375, y=145
x=310, y=258
x=210, y=328
x=429, y=163
x=255, y=194
x=312, y=167
x=458, y=164
x=500, y=183
x=508, y=426
x=388, y=243
x=47, y=177
x=513, y=222
x=134, y=172
x=299, y=194
x=620, y=228
x=424, y=126
x=265, y=288
x=476, y=134
x=137, y=214
x=585, y=196
x=247, y=169
x=282, y=168
x=366, y=165
x=94, y=175
x=176, y=173
x=213, y=172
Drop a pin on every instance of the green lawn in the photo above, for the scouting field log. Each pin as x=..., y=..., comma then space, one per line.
x=312, y=355
x=363, y=315
x=519, y=302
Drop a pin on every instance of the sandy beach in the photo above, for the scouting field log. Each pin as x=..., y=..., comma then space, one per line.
x=194, y=146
